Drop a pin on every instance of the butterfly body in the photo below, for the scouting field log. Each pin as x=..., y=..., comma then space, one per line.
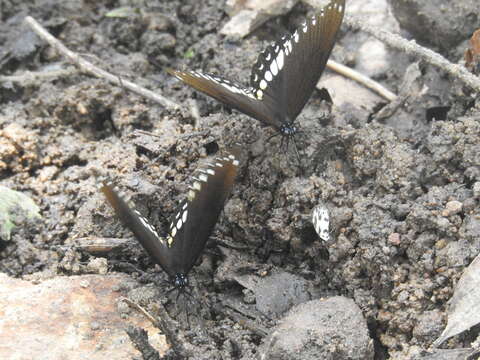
x=191, y=227
x=284, y=75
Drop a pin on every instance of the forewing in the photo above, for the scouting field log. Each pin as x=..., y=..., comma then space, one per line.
x=145, y=233
x=288, y=70
x=231, y=94
x=198, y=215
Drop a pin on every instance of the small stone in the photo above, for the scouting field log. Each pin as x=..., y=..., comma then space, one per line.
x=476, y=189
x=394, y=239
x=160, y=22
x=452, y=207
x=440, y=244
x=98, y=266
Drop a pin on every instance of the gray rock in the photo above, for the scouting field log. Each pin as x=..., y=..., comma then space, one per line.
x=277, y=293
x=438, y=22
x=320, y=329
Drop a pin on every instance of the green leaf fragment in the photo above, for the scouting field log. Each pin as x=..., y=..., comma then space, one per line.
x=11, y=203
x=122, y=12
x=189, y=54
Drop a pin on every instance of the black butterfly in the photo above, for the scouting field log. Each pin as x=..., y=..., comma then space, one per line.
x=189, y=231
x=284, y=76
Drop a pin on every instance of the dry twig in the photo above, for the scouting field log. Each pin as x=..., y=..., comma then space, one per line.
x=89, y=68
x=362, y=79
x=412, y=48
x=162, y=323
x=30, y=77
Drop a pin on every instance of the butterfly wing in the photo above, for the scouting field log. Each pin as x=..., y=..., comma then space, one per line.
x=194, y=222
x=199, y=213
x=229, y=93
x=321, y=222
x=145, y=233
x=289, y=69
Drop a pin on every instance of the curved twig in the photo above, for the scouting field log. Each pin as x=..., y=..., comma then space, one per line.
x=89, y=68
x=362, y=79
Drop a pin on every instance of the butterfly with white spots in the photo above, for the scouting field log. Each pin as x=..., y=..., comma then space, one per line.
x=284, y=76
x=321, y=222
x=193, y=223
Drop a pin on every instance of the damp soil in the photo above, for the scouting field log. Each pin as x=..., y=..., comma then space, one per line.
x=395, y=249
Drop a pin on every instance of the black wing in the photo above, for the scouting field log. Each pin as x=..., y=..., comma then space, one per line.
x=285, y=74
x=289, y=69
x=194, y=222
x=145, y=233
x=229, y=93
x=199, y=213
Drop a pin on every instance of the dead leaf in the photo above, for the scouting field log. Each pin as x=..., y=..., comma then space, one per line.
x=464, y=306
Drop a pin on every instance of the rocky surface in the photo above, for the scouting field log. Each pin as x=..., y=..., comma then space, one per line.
x=74, y=317
x=321, y=329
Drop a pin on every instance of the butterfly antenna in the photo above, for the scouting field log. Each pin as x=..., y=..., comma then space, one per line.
x=185, y=308
x=170, y=290
x=178, y=295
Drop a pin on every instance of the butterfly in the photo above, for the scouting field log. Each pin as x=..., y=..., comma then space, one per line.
x=321, y=222
x=191, y=227
x=284, y=76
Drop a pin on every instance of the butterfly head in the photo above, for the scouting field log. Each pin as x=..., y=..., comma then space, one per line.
x=180, y=281
x=288, y=130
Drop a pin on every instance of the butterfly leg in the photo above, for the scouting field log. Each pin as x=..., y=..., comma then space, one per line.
x=296, y=151
x=185, y=308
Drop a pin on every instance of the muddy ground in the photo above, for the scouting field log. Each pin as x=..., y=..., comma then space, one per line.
x=400, y=188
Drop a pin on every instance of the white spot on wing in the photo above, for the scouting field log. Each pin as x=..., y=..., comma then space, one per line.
x=197, y=186
x=191, y=195
x=295, y=37
x=268, y=75
x=280, y=59
x=274, y=67
x=184, y=216
x=263, y=84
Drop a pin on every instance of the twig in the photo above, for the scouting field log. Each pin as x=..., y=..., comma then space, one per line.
x=141, y=309
x=139, y=338
x=164, y=325
x=30, y=77
x=362, y=79
x=89, y=68
x=184, y=136
x=412, y=48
